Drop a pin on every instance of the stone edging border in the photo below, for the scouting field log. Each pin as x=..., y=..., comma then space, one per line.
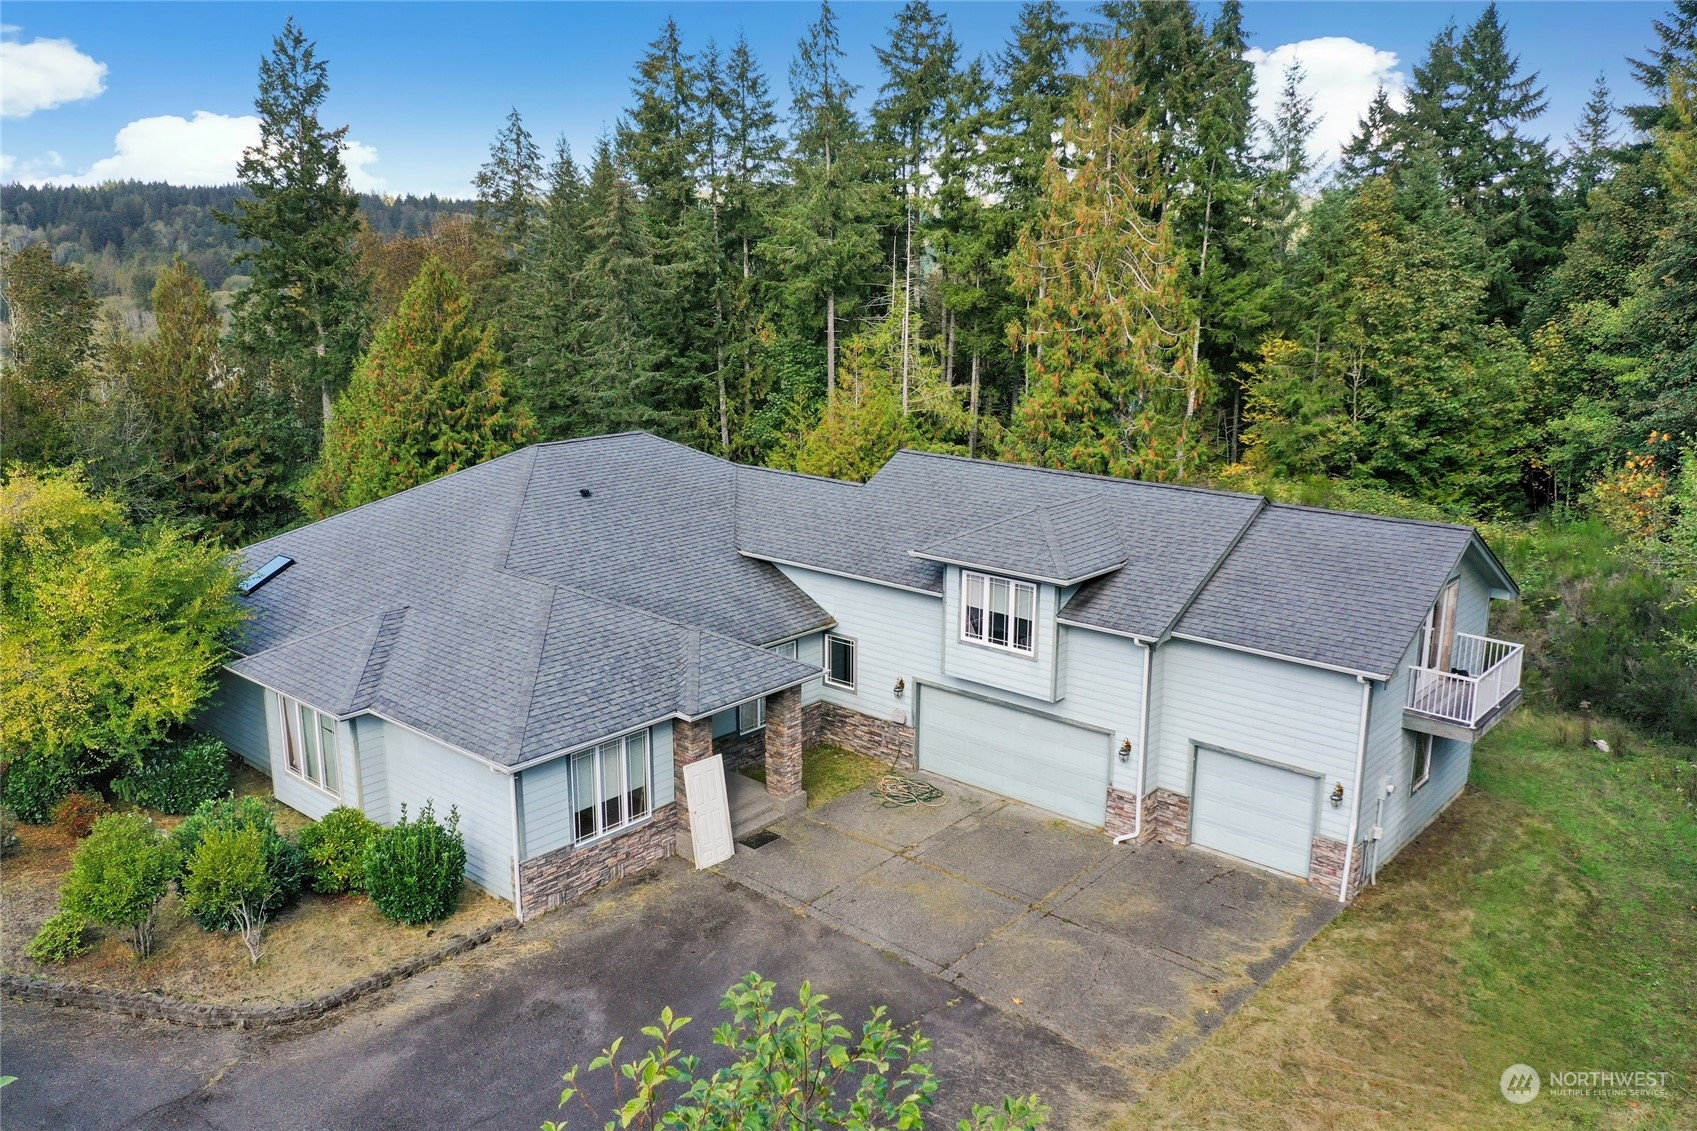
x=210, y=1016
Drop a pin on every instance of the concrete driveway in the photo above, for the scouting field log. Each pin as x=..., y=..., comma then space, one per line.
x=1038, y=958
x=1132, y=952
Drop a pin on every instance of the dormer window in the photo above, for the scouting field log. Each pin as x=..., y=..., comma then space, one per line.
x=999, y=613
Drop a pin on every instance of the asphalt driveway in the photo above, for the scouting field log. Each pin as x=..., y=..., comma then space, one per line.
x=1134, y=952
x=1037, y=956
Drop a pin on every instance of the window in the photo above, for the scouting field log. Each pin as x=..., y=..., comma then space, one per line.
x=309, y=739
x=1422, y=760
x=610, y=786
x=751, y=716
x=998, y=612
x=789, y=649
x=839, y=661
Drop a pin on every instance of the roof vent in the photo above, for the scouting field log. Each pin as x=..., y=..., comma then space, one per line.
x=264, y=574
x=584, y=491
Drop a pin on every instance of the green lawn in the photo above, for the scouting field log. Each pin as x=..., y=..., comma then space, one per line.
x=829, y=772
x=1548, y=918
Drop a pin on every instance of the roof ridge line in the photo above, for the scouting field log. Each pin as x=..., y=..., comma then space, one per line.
x=1086, y=475
x=1438, y=524
x=379, y=623
x=1063, y=567
x=527, y=681
x=1213, y=570
x=517, y=509
x=313, y=635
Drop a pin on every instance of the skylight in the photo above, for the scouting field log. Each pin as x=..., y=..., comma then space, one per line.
x=263, y=574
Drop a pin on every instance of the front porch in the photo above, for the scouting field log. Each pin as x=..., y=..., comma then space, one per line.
x=772, y=749
x=1471, y=694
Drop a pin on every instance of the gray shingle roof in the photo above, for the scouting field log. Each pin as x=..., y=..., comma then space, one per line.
x=566, y=592
x=505, y=613
x=1330, y=587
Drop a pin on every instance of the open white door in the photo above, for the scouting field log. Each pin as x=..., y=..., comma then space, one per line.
x=709, y=811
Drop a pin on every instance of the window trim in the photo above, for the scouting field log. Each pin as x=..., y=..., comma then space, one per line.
x=593, y=754
x=1422, y=758
x=759, y=706
x=983, y=640
x=854, y=661
x=294, y=732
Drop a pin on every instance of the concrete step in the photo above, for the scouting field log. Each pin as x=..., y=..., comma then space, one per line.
x=752, y=808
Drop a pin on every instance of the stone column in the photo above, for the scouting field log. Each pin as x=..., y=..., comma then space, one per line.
x=691, y=742
x=783, y=743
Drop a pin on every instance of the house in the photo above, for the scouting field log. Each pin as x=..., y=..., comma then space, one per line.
x=549, y=640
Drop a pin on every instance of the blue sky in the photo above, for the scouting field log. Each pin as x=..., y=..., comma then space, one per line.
x=164, y=91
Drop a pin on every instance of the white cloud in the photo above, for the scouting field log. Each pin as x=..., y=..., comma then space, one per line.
x=1341, y=75
x=203, y=150
x=44, y=73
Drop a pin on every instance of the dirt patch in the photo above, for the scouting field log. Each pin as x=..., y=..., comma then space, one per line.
x=319, y=944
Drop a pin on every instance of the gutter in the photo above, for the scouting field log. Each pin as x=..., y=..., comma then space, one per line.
x=518, y=861
x=1142, y=746
x=1360, y=772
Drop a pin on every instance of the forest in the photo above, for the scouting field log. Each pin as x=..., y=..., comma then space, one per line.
x=1085, y=252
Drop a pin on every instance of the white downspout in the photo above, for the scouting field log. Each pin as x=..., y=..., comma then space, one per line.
x=1360, y=772
x=518, y=864
x=1142, y=747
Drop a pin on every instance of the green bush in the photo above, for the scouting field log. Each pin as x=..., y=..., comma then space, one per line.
x=62, y=937
x=33, y=786
x=178, y=777
x=118, y=876
x=414, y=871
x=227, y=881
x=77, y=812
x=285, y=863
x=336, y=846
x=8, y=831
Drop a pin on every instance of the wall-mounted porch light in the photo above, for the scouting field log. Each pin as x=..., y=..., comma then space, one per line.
x=1125, y=751
x=1337, y=795
x=901, y=686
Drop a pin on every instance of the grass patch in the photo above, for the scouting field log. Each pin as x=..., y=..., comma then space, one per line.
x=829, y=771
x=319, y=944
x=1549, y=917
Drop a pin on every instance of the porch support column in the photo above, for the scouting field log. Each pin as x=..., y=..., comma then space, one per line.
x=691, y=742
x=783, y=743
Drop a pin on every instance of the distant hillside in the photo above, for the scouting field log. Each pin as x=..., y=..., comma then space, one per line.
x=123, y=233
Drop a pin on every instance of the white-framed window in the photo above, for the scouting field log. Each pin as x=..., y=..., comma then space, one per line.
x=309, y=743
x=610, y=786
x=751, y=716
x=1422, y=760
x=998, y=612
x=839, y=661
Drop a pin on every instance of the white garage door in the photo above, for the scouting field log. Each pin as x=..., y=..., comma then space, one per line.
x=1041, y=761
x=1256, y=812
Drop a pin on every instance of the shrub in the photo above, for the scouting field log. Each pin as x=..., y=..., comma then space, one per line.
x=62, y=937
x=178, y=777
x=8, y=831
x=227, y=880
x=118, y=876
x=285, y=863
x=34, y=786
x=414, y=870
x=77, y=812
x=336, y=846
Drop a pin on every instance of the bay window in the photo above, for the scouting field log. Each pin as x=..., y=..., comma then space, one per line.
x=309, y=742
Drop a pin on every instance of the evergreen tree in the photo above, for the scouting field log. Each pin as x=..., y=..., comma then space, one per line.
x=508, y=185
x=1676, y=47
x=1109, y=332
x=1665, y=315
x=428, y=399
x=1033, y=99
x=825, y=237
x=548, y=337
x=304, y=314
x=45, y=373
x=1372, y=150
x=1591, y=147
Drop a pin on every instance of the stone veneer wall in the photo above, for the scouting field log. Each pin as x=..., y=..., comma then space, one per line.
x=1122, y=812
x=864, y=734
x=1325, y=868
x=691, y=742
x=783, y=743
x=572, y=872
x=741, y=751
x=1166, y=817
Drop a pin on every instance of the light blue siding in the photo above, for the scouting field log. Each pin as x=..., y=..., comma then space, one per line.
x=811, y=650
x=660, y=736
x=546, y=803
x=369, y=734
x=1031, y=676
x=236, y=716
x=1298, y=716
x=725, y=723
x=421, y=770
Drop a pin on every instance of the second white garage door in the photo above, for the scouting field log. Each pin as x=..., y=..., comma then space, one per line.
x=1254, y=811
x=1043, y=761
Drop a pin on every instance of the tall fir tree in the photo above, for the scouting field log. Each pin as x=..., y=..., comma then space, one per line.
x=50, y=312
x=428, y=399
x=1109, y=331
x=548, y=336
x=304, y=315
x=1592, y=145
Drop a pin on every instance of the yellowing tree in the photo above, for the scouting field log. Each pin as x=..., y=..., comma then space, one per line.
x=1113, y=385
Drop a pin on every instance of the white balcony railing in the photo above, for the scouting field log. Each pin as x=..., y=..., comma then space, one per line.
x=1482, y=673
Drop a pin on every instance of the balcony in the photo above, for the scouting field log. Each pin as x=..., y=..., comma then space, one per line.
x=1481, y=685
